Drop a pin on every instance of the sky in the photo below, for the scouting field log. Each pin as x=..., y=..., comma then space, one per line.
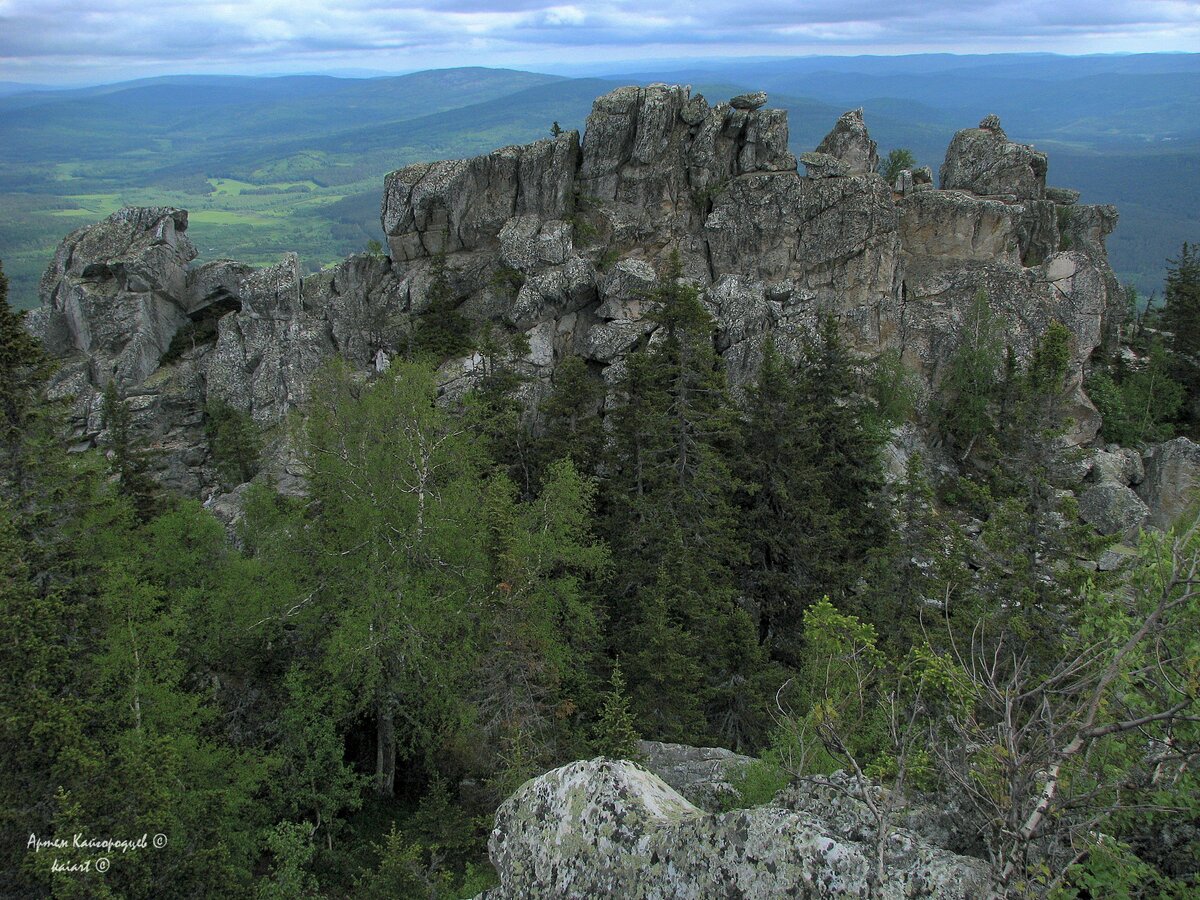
x=90, y=41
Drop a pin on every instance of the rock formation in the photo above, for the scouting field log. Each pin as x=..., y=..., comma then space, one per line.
x=607, y=828
x=560, y=239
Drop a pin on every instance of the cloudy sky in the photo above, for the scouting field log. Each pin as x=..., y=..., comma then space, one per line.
x=67, y=41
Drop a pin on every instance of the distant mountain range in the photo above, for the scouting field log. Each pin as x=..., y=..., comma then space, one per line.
x=297, y=162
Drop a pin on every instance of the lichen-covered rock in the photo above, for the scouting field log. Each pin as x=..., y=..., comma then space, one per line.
x=984, y=161
x=1116, y=465
x=1113, y=508
x=850, y=143
x=606, y=828
x=703, y=775
x=1172, y=480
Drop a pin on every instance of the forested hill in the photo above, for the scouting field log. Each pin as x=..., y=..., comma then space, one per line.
x=334, y=584
x=268, y=165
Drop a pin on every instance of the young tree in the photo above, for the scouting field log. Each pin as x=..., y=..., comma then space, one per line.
x=970, y=385
x=24, y=367
x=536, y=681
x=895, y=162
x=441, y=332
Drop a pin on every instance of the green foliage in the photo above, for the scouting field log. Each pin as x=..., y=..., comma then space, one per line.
x=1142, y=407
x=441, y=332
x=235, y=441
x=895, y=162
x=375, y=248
x=398, y=552
x=893, y=388
x=24, y=365
x=291, y=848
x=672, y=521
x=1181, y=296
x=571, y=425
x=812, y=477
x=129, y=461
x=970, y=386
x=615, y=734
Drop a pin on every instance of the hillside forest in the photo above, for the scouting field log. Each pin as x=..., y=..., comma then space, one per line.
x=333, y=700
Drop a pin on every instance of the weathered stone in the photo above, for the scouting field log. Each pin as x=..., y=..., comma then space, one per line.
x=561, y=240
x=1116, y=557
x=951, y=226
x=1172, y=479
x=611, y=829
x=749, y=101
x=1113, y=508
x=703, y=775
x=1117, y=465
x=823, y=165
x=1062, y=196
x=463, y=204
x=850, y=143
x=984, y=161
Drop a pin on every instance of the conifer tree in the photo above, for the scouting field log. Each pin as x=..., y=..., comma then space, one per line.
x=24, y=367
x=128, y=460
x=673, y=524
x=571, y=426
x=441, y=332
x=615, y=734
x=811, y=465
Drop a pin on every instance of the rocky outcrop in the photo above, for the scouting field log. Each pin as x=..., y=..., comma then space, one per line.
x=606, y=828
x=1172, y=480
x=703, y=775
x=984, y=161
x=1113, y=508
x=561, y=239
x=850, y=143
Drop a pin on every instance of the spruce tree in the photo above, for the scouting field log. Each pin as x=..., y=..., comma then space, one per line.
x=24, y=367
x=615, y=735
x=672, y=522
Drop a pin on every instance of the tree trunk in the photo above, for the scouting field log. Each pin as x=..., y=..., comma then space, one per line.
x=385, y=749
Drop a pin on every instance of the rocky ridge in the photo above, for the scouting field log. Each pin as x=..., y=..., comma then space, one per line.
x=560, y=239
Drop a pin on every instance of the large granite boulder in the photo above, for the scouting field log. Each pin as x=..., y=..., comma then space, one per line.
x=1113, y=508
x=607, y=828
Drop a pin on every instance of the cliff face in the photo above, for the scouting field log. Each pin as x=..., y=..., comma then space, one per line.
x=560, y=239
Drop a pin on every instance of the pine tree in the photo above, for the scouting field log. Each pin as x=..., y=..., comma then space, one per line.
x=811, y=510
x=441, y=332
x=571, y=426
x=970, y=386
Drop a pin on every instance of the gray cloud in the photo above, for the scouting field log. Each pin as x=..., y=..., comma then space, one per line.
x=65, y=39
